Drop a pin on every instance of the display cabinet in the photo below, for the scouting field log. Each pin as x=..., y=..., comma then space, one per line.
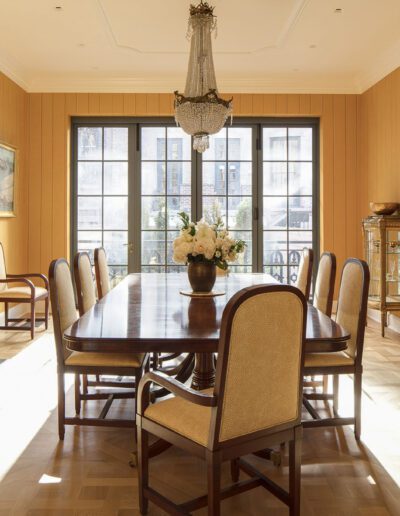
x=382, y=253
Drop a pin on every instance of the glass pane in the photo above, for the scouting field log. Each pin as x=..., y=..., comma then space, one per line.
x=239, y=143
x=246, y=257
x=274, y=144
x=279, y=272
x=153, y=248
x=88, y=241
x=213, y=208
x=115, y=244
x=300, y=213
x=89, y=213
x=89, y=178
x=117, y=274
x=300, y=143
x=153, y=212
x=179, y=144
x=116, y=212
x=275, y=178
x=300, y=178
x=152, y=268
x=275, y=247
x=171, y=235
x=153, y=178
x=153, y=143
x=239, y=213
x=176, y=205
x=90, y=143
x=214, y=178
x=217, y=149
x=179, y=178
x=116, y=143
x=116, y=178
x=275, y=212
x=239, y=178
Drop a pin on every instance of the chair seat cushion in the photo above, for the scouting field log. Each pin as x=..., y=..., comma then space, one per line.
x=327, y=359
x=22, y=292
x=105, y=359
x=183, y=417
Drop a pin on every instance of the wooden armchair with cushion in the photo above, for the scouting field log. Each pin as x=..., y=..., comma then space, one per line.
x=325, y=283
x=304, y=275
x=256, y=401
x=118, y=364
x=29, y=293
x=102, y=273
x=351, y=314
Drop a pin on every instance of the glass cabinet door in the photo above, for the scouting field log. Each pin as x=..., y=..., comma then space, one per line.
x=392, y=265
x=373, y=257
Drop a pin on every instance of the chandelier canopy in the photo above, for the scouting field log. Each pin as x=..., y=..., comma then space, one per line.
x=200, y=111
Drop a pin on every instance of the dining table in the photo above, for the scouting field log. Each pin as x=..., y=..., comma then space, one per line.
x=156, y=313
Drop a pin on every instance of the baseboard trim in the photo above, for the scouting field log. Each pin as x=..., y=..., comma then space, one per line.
x=13, y=312
x=393, y=320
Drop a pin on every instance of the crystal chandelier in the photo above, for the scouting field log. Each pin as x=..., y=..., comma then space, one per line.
x=200, y=111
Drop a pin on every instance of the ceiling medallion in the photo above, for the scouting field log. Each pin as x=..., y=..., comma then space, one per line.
x=200, y=111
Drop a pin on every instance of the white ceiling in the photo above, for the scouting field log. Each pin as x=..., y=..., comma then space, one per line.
x=140, y=45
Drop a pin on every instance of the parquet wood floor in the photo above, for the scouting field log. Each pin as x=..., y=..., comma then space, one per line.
x=88, y=474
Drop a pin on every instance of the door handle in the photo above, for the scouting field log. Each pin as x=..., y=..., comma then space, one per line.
x=129, y=245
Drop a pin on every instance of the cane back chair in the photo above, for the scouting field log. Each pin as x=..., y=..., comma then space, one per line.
x=256, y=401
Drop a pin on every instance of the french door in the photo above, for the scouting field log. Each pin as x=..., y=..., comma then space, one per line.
x=130, y=179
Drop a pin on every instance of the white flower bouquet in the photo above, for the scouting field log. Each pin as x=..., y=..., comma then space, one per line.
x=202, y=242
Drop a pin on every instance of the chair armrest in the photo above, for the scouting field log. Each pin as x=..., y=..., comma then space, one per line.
x=31, y=275
x=20, y=280
x=173, y=386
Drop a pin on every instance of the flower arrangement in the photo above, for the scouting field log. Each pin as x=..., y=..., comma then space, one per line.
x=202, y=242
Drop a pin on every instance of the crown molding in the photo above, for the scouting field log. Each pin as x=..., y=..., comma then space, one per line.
x=384, y=64
x=291, y=83
x=14, y=71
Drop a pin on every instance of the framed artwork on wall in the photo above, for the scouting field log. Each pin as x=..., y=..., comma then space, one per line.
x=8, y=172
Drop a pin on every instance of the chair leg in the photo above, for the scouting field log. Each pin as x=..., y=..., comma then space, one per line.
x=235, y=470
x=295, y=473
x=46, y=313
x=214, y=483
x=84, y=383
x=6, y=314
x=33, y=320
x=325, y=382
x=143, y=467
x=357, y=405
x=61, y=406
x=335, y=393
x=77, y=394
x=138, y=376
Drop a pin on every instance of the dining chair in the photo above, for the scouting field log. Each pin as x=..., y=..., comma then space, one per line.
x=102, y=272
x=86, y=363
x=351, y=314
x=262, y=331
x=29, y=293
x=305, y=272
x=325, y=283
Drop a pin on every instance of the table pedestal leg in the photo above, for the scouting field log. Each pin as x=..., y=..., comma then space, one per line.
x=204, y=371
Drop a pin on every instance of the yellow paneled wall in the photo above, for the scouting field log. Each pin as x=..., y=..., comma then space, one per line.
x=379, y=143
x=49, y=116
x=14, y=132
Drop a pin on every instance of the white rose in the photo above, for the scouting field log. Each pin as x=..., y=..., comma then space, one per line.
x=205, y=246
x=182, y=251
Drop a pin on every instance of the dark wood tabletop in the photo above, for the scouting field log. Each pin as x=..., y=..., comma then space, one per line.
x=147, y=313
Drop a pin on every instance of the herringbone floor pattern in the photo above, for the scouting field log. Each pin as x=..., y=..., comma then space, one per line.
x=88, y=474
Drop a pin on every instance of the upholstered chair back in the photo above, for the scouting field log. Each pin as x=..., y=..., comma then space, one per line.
x=260, y=361
x=325, y=283
x=85, y=288
x=305, y=271
x=102, y=274
x=352, y=304
x=62, y=304
x=3, y=271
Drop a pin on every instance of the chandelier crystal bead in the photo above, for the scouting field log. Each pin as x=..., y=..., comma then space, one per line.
x=200, y=111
